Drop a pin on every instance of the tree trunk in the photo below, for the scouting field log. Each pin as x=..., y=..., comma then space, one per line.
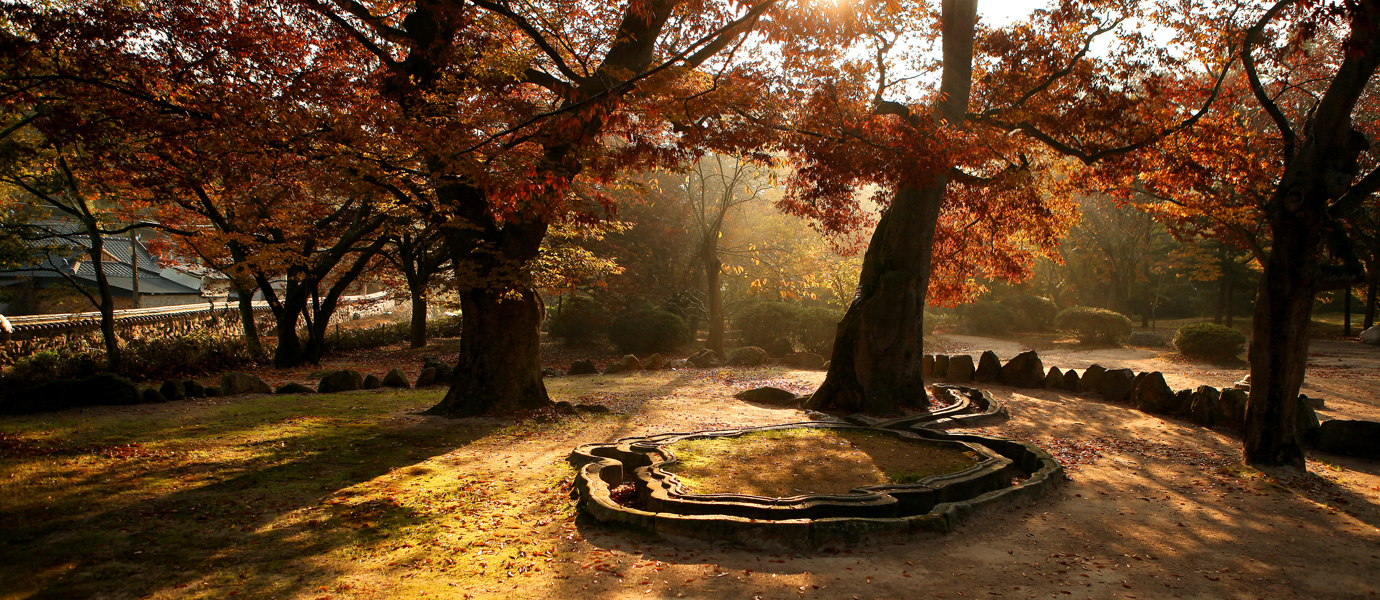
x=107, y=306
x=1279, y=342
x=875, y=365
x=1370, y=301
x=289, y=352
x=1221, y=308
x=714, y=296
x=417, y=329
x=499, y=366
x=247, y=320
x=1346, y=312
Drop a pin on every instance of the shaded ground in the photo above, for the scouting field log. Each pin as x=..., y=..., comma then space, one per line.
x=356, y=496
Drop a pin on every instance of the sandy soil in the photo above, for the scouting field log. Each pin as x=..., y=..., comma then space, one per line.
x=1154, y=509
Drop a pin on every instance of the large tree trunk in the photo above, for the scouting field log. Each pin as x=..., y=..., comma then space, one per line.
x=875, y=366
x=1279, y=343
x=289, y=352
x=499, y=366
x=714, y=297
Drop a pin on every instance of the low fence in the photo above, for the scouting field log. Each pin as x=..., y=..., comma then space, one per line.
x=27, y=335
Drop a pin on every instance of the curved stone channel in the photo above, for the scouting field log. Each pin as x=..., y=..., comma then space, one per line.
x=1007, y=471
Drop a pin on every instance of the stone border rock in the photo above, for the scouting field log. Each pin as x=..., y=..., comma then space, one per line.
x=810, y=521
x=1148, y=392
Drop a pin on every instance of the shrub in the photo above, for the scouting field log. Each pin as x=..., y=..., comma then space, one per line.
x=816, y=328
x=577, y=321
x=1209, y=341
x=388, y=333
x=770, y=326
x=989, y=318
x=648, y=330
x=1037, y=314
x=1094, y=324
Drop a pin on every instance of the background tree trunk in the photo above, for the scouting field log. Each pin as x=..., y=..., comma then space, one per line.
x=247, y=320
x=714, y=297
x=417, y=329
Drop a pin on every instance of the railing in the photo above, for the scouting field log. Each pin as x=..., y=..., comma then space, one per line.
x=31, y=326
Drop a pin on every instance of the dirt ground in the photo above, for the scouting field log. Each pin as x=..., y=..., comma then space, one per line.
x=1154, y=508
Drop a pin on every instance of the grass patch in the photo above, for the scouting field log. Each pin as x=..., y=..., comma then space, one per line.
x=792, y=462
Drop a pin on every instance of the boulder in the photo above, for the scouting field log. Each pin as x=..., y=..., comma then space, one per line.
x=654, y=363
x=806, y=360
x=941, y=366
x=445, y=373
x=747, y=356
x=213, y=391
x=1116, y=385
x=173, y=390
x=550, y=372
x=1203, y=405
x=1313, y=403
x=565, y=407
x=615, y=367
x=927, y=365
x=193, y=389
x=1181, y=404
x=395, y=379
x=236, y=383
x=1152, y=394
x=960, y=368
x=1145, y=339
x=706, y=359
x=344, y=380
x=153, y=396
x=582, y=367
x=1091, y=379
x=1024, y=371
x=294, y=388
x=1350, y=438
x=371, y=382
x=769, y=395
x=1230, y=409
x=679, y=363
x=427, y=377
x=1371, y=336
x=989, y=368
x=630, y=363
x=1054, y=379
x=1071, y=382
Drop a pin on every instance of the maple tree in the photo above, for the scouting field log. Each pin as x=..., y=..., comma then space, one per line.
x=1289, y=150
x=965, y=190
x=504, y=114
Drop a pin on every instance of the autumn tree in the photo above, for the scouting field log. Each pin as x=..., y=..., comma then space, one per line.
x=511, y=110
x=960, y=185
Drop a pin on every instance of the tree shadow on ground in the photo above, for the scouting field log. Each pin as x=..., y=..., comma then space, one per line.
x=258, y=525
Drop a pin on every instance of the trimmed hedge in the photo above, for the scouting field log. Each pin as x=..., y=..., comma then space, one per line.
x=648, y=330
x=1094, y=324
x=990, y=318
x=782, y=328
x=1037, y=314
x=578, y=321
x=1209, y=341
